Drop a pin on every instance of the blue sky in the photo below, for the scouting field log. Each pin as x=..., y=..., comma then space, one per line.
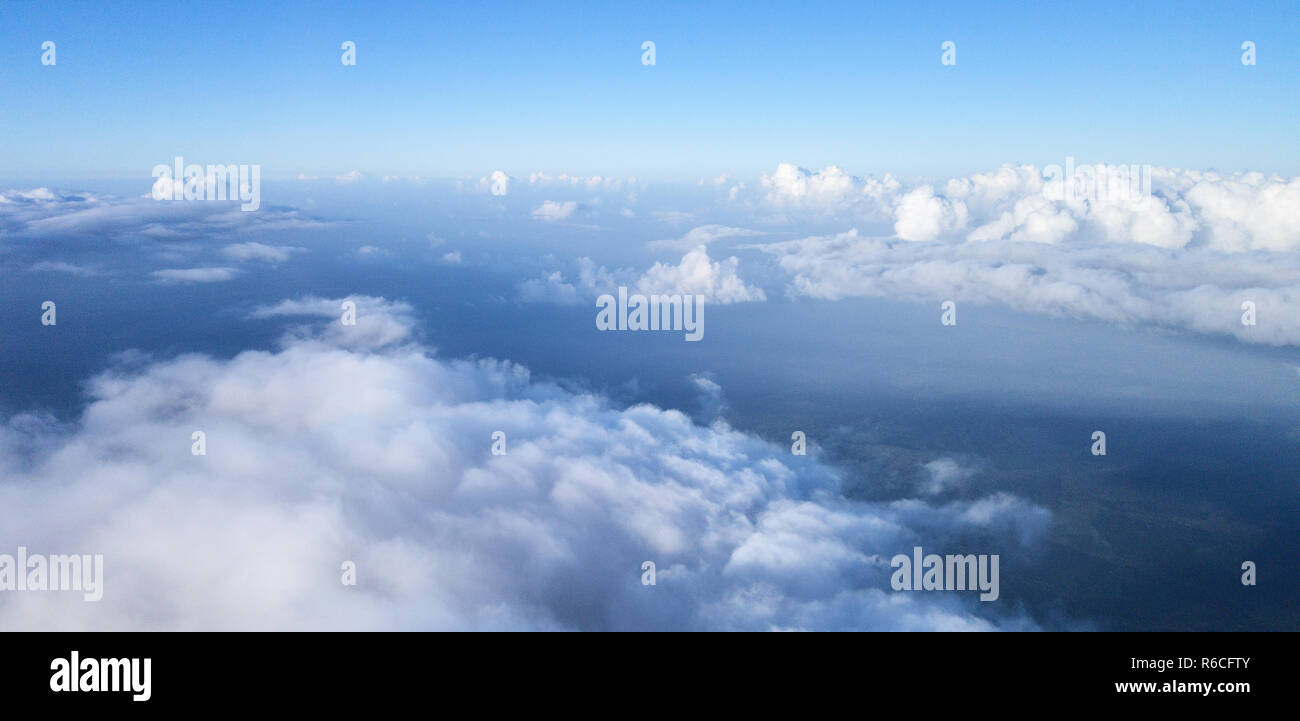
x=461, y=89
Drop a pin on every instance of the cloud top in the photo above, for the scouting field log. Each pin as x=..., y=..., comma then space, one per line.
x=366, y=448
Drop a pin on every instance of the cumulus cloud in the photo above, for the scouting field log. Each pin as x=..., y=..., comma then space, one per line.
x=712, y=401
x=1096, y=203
x=829, y=189
x=1244, y=211
x=591, y=281
x=718, y=282
x=550, y=288
x=592, y=183
x=1003, y=514
x=696, y=274
x=367, y=448
x=552, y=210
x=943, y=475
x=1108, y=204
x=41, y=196
x=1187, y=254
x=921, y=216
x=376, y=322
x=1196, y=289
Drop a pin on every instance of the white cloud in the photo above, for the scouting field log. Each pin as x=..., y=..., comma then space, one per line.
x=826, y=190
x=550, y=288
x=944, y=475
x=60, y=267
x=37, y=195
x=1247, y=211
x=921, y=216
x=351, y=176
x=335, y=448
x=552, y=210
x=592, y=280
x=46, y=214
x=592, y=183
x=702, y=235
x=194, y=275
x=260, y=251
x=1186, y=208
x=1192, y=288
x=1188, y=255
x=712, y=400
x=718, y=282
x=1016, y=203
x=378, y=322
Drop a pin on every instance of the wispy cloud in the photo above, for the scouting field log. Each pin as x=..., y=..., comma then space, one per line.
x=194, y=275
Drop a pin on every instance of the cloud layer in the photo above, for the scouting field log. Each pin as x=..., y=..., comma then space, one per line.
x=49, y=214
x=354, y=443
x=1191, y=254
